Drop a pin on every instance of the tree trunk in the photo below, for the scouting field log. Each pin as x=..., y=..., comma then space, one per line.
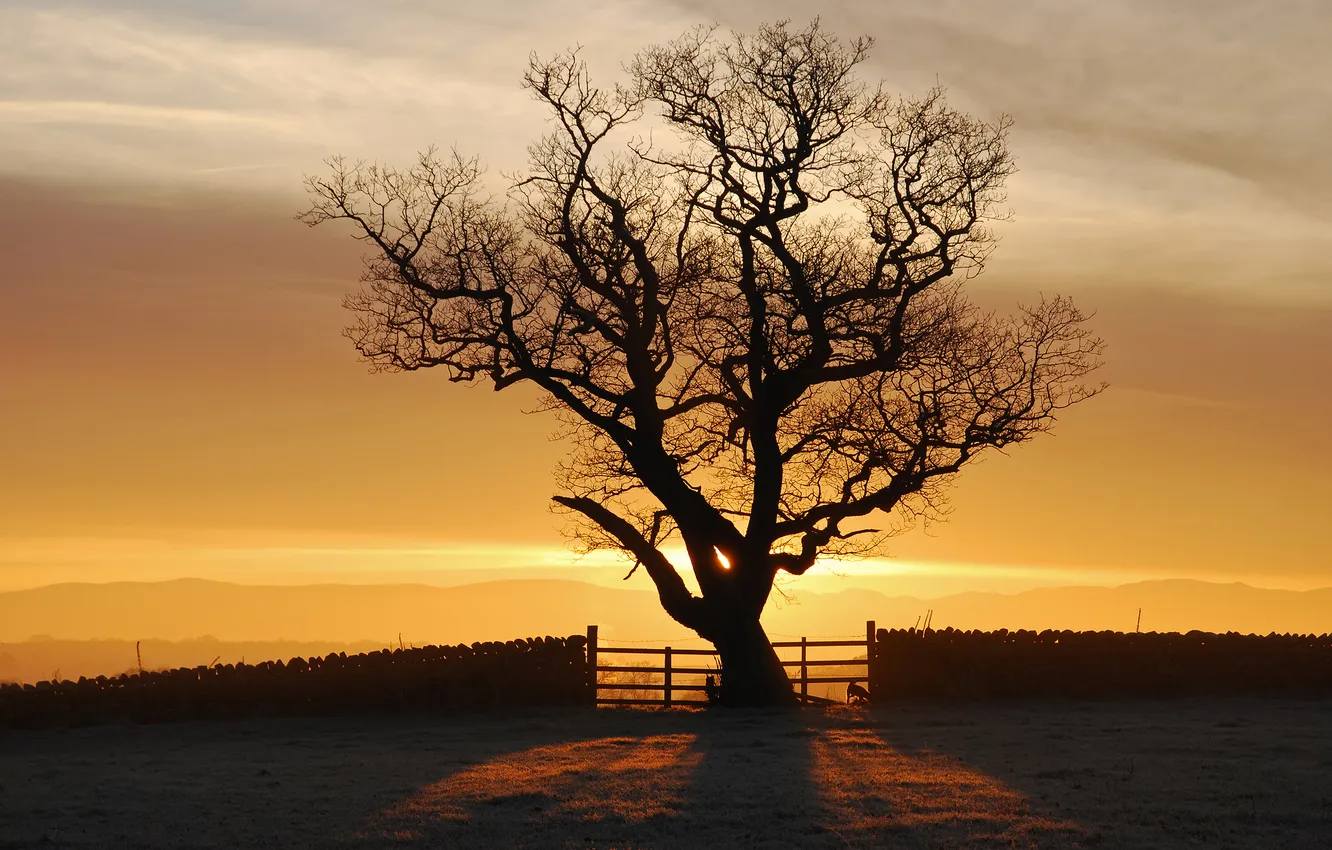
x=752, y=675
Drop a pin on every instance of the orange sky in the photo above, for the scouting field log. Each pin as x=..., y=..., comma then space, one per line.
x=175, y=398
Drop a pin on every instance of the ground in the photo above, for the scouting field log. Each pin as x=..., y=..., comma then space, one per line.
x=1227, y=773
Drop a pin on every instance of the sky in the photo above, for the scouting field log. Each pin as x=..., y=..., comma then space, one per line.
x=175, y=397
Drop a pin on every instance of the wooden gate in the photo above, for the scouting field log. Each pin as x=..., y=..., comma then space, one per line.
x=670, y=679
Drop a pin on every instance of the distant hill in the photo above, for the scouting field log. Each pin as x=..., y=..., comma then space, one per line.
x=88, y=629
x=1168, y=605
x=498, y=610
x=190, y=608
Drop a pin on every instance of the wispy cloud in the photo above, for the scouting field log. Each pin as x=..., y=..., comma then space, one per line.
x=284, y=82
x=133, y=115
x=1228, y=86
x=1153, y=138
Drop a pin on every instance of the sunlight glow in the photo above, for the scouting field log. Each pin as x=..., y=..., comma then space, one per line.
x=309, y=558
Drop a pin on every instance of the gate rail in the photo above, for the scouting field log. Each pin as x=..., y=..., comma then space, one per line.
x=669, y=687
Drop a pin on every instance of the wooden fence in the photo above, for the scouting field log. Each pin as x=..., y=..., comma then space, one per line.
x=950, y=663
x=695, y=686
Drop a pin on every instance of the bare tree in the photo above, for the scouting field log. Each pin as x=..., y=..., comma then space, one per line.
x=755, y=335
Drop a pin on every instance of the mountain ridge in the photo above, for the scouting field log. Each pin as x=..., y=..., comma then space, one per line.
x=185, y=608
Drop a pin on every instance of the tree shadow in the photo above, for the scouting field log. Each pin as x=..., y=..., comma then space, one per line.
x=828, y=778
x=288, y=782
x=1209, y=772
x=753, y=785
x=649, y=779
x=720, y=778
x=569, y=778
x=609, y=779
x=879, y=787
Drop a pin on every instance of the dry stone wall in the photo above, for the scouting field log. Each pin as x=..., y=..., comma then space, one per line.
x=536, y=672
x=950, y=663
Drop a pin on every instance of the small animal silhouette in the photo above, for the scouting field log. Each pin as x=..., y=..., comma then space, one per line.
x=712, y=689
x=856, y=694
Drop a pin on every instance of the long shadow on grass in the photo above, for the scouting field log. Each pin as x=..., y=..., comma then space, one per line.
x=287, y=782
x=1169, y=773
x=885, y=787
x=752, y=779
x=1010, y=745
x=752, y=785
x=828, y=779
x=606, y=779
x=714, y=778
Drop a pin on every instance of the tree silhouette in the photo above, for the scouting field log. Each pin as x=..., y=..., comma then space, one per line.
x=754, y=333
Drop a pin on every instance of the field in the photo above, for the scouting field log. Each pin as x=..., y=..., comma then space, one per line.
x=1184, y=773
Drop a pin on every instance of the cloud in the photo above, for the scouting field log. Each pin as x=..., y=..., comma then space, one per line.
x=1229, y=86
x=1176, y=145
x=171, y=91
x=131, y=115
x=1132, y=114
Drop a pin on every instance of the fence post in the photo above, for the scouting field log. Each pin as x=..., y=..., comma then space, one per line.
x=804, y=671
x=592, y=663
x=871, y=651
x=667, y=689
